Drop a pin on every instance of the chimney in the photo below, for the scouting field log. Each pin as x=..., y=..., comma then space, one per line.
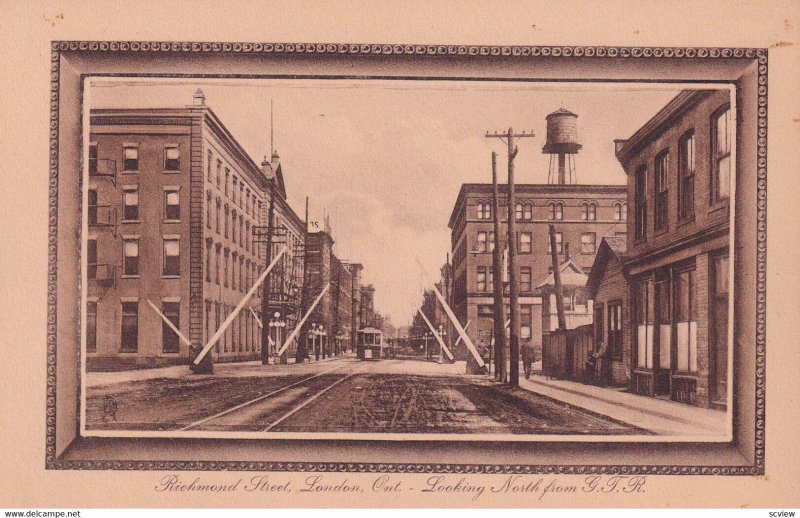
x=199, y=98
x=566, y=252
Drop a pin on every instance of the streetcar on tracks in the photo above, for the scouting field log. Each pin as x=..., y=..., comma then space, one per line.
x=370, y=345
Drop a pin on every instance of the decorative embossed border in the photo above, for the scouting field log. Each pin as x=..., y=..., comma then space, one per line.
x=757, y=55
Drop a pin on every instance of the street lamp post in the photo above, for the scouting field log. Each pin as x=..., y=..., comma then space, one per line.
x=442, y=333
x=315, y=334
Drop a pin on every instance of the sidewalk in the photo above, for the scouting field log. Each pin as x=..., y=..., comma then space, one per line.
x=660, y=416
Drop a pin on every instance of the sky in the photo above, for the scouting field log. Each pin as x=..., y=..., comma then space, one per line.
x=384, y=160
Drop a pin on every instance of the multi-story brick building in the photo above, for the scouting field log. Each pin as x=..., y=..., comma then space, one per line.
x=337, y=313
x=173, y=201
x=367, y=305
x=582, y=214
x=679, y=167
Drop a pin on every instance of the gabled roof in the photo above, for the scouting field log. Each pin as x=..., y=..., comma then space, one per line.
x=571, y=275
x=611, y=248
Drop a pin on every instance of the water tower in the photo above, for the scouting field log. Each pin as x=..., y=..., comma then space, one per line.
x=562, y=142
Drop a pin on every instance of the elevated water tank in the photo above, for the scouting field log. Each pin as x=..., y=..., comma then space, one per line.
x=562, y=133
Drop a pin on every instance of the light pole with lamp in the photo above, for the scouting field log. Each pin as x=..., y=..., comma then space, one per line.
x=443, y=334
x=278, y=324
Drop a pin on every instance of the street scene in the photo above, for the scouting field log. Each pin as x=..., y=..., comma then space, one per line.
x=492, y=261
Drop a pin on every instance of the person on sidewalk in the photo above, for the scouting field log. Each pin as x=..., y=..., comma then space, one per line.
x=600, y=364
x=528, y=358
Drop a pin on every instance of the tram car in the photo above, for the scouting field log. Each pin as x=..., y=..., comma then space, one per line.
x=370, y=344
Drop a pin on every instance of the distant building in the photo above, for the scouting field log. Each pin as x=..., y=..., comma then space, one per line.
x=582, y=214
x=679, y=167
x=368, y=305
x=173, y=201
x=575, y=295
x=608, y=288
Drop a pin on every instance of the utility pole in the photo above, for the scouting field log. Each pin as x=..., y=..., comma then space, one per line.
x=497, y=266
x=562, y=321
x=302, y=349
x=270, y=174
x=510, y=138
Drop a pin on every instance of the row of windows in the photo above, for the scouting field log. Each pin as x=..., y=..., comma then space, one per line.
x=171, y=257
x=234, y=188
x=130, y=158
x=486, y=242
x=242, y=335
x=129, y=329
x=233, y=225
x=171, y=203
x=555, y=211
x=225, y=271
x=720, y=171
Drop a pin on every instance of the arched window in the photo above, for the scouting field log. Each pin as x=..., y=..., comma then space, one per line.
x=620, y=211
x=528, y=212
x=518, y=211
x=480, y=210
x=592, y=211
x=555, y=211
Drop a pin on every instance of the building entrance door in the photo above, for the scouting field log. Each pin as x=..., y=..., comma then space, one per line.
x=719, y=329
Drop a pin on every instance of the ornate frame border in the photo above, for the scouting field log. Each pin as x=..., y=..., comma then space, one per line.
x=759, y=54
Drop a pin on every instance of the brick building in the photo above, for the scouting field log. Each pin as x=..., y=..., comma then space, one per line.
x=368, y=305
x=172, y=203
x=679, y=168
x=608, y=288
x=338, y=313
x=583, y=214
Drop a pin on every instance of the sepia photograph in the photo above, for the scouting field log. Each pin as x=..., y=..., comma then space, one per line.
x=407, y=260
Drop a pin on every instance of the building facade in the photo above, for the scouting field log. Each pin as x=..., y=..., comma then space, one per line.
x=679, y=167
x=173, y=203
x=582, y=215
x=608, y=288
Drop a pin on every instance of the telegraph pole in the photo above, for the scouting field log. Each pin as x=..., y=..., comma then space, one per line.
x=302, y=349
x=497, y=266
x=270, y=174
x=510, y=139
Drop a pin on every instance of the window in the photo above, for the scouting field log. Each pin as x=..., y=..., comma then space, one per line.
x=721, y=154
x=91, y=259
x=92, y=209
x=490, y=284
x=485, y=311
x=247, y=236
x=130, y=159
x=524, y=242
x=588, y=243
x=525, y=284
x=242, y=286
x=491, y=241
x=620, y=211
x=685, y=311
x=686, y=167
x=227, y=181
x=662, y=191
x=227, y=213
x=480, y=246
x=172, y=207
x=645, y=319
x=172, y=158
x=640, y=197
x=216, y=266
x=92, y=159
x=615, y=329
x=241, y=230
x=91, y=327
x=528, y=211
x=129, y=341
x=588, y=211
x=130, y=203
x=217, y=218
x=172, y=256
x=518, y=211
x=225, y=271
x=555, y=211
x=130, y=258
x=208, y=209
x=208, y=261
x=219, y=172
x=481, y=282
x=559, y=244
x=169, y=338
x=234, y=221
x=234, y=258
x=210, y=162
x=241, y=194
x=247, y=206
x=597, y=320
x=525, y=319
x=234, y=188
x=480, y=211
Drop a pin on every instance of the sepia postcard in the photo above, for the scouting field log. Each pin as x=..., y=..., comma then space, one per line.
x=402, y=273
